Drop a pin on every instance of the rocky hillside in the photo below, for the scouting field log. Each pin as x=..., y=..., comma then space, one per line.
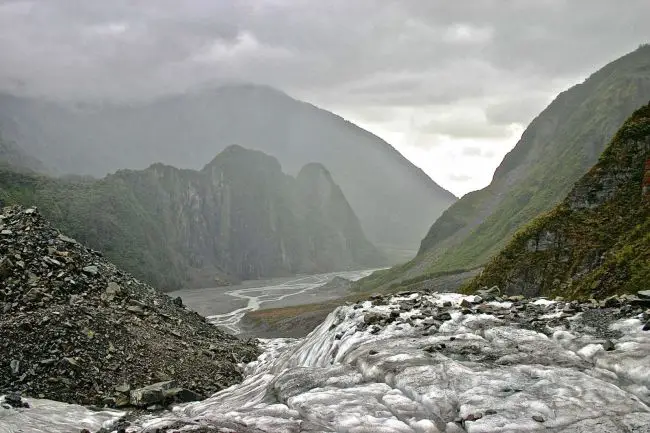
x=77, y=329
x=597, y=241
x=240, y=217
x=188, y=130
x=557, y=148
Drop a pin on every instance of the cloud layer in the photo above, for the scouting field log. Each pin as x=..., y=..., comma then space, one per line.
x=437, y=79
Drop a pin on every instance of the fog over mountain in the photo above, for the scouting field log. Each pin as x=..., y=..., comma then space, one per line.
x=450, y=84
x=394, y=200
x=210, y=213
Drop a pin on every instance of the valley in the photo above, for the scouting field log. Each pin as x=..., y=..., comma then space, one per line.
x=226, y=306
x=192, y=242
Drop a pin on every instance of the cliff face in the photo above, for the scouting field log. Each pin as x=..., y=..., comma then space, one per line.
x=239, y=217
x=597, y=241
x=95, y=139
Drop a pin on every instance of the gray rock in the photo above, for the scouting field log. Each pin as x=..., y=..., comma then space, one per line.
x=372, y=318
x=15, y=366
x=609, y=346
x=124, y=388
x=67, y=239
x=135, y=309
x=612, y=302
x=181, y=395
x=92, y=270
x=643, y=294
x=151, y=394
x=14, y=399
x=113, y=289
x=538, y=418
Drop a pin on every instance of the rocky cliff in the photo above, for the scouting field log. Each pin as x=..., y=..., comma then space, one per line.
x=597, y=241
x=95, y=139
x=555, y=150
x=240, y=217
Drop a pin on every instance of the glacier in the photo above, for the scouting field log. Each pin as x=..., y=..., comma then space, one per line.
x=422, y=362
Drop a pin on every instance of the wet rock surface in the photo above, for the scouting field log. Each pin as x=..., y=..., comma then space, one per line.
x=77, y=329
x=419, y=362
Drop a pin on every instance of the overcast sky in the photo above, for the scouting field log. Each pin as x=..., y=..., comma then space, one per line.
x=450, y=84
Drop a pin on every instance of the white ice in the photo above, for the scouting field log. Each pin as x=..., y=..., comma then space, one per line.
x=47, y=416
x=348, y=378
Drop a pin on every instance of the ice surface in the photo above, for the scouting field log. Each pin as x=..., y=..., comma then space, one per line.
x=47, y=416
x=476, y=373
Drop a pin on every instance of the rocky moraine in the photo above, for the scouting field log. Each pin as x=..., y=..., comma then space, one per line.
x=430, y=362
x=76, y=329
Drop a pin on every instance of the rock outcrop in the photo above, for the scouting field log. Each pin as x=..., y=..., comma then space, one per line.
x=597, y=241
x=240, y=217
x=75, y=328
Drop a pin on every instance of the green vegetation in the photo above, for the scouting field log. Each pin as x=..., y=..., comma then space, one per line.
x=394, y=200
x=558, y=147
x=239, y=217
x=597, y=241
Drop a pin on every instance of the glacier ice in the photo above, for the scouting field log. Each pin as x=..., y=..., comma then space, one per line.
x=430, y=364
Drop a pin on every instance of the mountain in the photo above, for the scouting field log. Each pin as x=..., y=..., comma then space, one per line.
x=12, y=155
x=394, y=200
x=240, y=217
x=595, y=243
x=558, y=147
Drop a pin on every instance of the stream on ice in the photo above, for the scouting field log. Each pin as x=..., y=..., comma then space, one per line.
x=472, y=373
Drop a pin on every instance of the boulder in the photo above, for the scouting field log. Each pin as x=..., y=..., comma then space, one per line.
x=372, y=318
x=151, y=394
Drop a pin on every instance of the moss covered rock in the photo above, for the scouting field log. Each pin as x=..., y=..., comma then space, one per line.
x=597, y=241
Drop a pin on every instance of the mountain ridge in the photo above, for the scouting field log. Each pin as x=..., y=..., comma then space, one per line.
x=596, y=242
x=558, y=147
x=240, y=217
x=371, y=173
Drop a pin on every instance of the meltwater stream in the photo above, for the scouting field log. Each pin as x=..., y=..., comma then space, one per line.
x=419, y=363
x=226, y=306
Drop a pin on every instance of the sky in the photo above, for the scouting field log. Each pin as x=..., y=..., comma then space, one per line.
x=450, y=84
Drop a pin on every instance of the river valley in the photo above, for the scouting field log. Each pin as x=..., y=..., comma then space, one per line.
x=226, y=306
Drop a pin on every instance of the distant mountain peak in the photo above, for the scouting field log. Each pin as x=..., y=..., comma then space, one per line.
x=186, y=130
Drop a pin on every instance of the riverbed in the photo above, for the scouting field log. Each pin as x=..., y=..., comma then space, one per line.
x=226, y=306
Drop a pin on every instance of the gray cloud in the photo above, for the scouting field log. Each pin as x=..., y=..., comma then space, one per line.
x=459, y=177
x=504, y=58
x=397, y=51
x=477, y=151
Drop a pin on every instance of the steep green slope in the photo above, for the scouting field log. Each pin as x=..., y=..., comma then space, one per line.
x=240, y=216
x=95, y=139
x=597, y=241
x=556, y=149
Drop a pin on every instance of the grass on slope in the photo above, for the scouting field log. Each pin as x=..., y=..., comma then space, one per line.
x=597, y=249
